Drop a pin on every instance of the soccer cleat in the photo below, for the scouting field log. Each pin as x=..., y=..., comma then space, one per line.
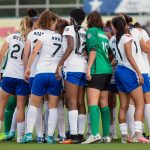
x=106, y=139
x=92, y=139
x=140, y=140
x=10, y=136
x=39, y=140
x=126, y=139
x=113, y=136
x=2, y=136
x=27, y=138
x=80, y=138
x=73, y=139
x=51, y=140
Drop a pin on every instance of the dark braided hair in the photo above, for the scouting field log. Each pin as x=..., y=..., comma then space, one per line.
x=120, y=25
x=77, y=17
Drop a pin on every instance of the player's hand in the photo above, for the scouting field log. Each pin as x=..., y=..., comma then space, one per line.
x=58, y=72
x=88, y=75
x=27, y=74
x=141, y=79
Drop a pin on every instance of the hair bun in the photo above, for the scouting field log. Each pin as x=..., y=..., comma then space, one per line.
x=32, y=12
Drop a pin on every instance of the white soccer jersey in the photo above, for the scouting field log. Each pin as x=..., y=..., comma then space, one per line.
x=145, y=55
x=119, y=50
x=50, y=53
x=15, y=67
x=76, y=62
x=33, y=37
x=137, y=52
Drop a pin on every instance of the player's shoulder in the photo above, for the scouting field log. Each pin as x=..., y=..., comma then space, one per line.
x=69, y=28
x=112, y=40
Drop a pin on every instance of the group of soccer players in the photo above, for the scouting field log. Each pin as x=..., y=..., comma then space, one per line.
x=54, y=64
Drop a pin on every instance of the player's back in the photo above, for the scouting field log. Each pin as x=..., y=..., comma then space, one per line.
x=14, y=67
x=51, y=52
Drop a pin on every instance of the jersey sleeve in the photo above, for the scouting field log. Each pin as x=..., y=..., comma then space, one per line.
x=91, y=40
x=69, y=30
x=127, y=38
x=8, y=38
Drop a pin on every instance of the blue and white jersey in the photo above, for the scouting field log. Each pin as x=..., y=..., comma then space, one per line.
x=137, y=52
x=15, y=67
x=119, y=50
x=33, y=37
x=76, y=61
x=50, y=53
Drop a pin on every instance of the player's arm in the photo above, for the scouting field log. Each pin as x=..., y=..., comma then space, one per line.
x=26, y=52
x=69, y=49
x=91, y=59
x=3, y=51
x=145, y=48
x=128, y=51
x=36, y=49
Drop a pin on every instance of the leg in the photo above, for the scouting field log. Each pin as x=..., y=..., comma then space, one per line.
x=124, y=103
x=21, y=102
x=105, y=113
x=32, y=112
x=147, y=109
x=4, y=96
x=52, y=119
x=71, y=95
x=130, y=118
x=82, y=112
x=8, y=114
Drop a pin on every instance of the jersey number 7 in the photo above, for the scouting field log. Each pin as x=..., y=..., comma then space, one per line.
x=57, y=49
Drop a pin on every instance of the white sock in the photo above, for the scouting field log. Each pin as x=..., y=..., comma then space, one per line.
x=52, y=121
x=67, y=122
x=1, y=122
x=20, y=129
x=123, y=128
x=46, y=114
x=73, y=120
x=138, y=126
x=130, y=119
x=147, y=115
x=89, y=125
x=26, y=112
x=81, y=123
x=14, y=121
x=31, y=119
x=39, y=121
x=60, y=119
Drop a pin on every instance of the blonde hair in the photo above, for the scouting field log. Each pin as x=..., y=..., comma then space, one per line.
x=25, y=27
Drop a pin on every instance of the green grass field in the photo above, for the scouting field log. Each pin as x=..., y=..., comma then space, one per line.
x=112, y=146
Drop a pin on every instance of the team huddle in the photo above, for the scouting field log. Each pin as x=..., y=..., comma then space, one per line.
x=54, y=66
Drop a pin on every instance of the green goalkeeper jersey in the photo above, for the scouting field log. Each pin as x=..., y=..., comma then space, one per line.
x=97, y=40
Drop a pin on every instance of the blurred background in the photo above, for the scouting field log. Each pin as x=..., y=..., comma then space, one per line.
x=11, y=11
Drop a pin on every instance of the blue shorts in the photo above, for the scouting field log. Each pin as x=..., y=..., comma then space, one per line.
x=15, y=86
x=146, y=85
x=46, y=83
x=31, y=82
x=112, y=88
x=77, y=78
x=125, y=79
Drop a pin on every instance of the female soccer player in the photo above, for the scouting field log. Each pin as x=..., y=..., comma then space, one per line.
x=99, y=74
x=50, y=47
x=141, y=43
x=13, y=76
x=128, y=78
x=75, y=66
